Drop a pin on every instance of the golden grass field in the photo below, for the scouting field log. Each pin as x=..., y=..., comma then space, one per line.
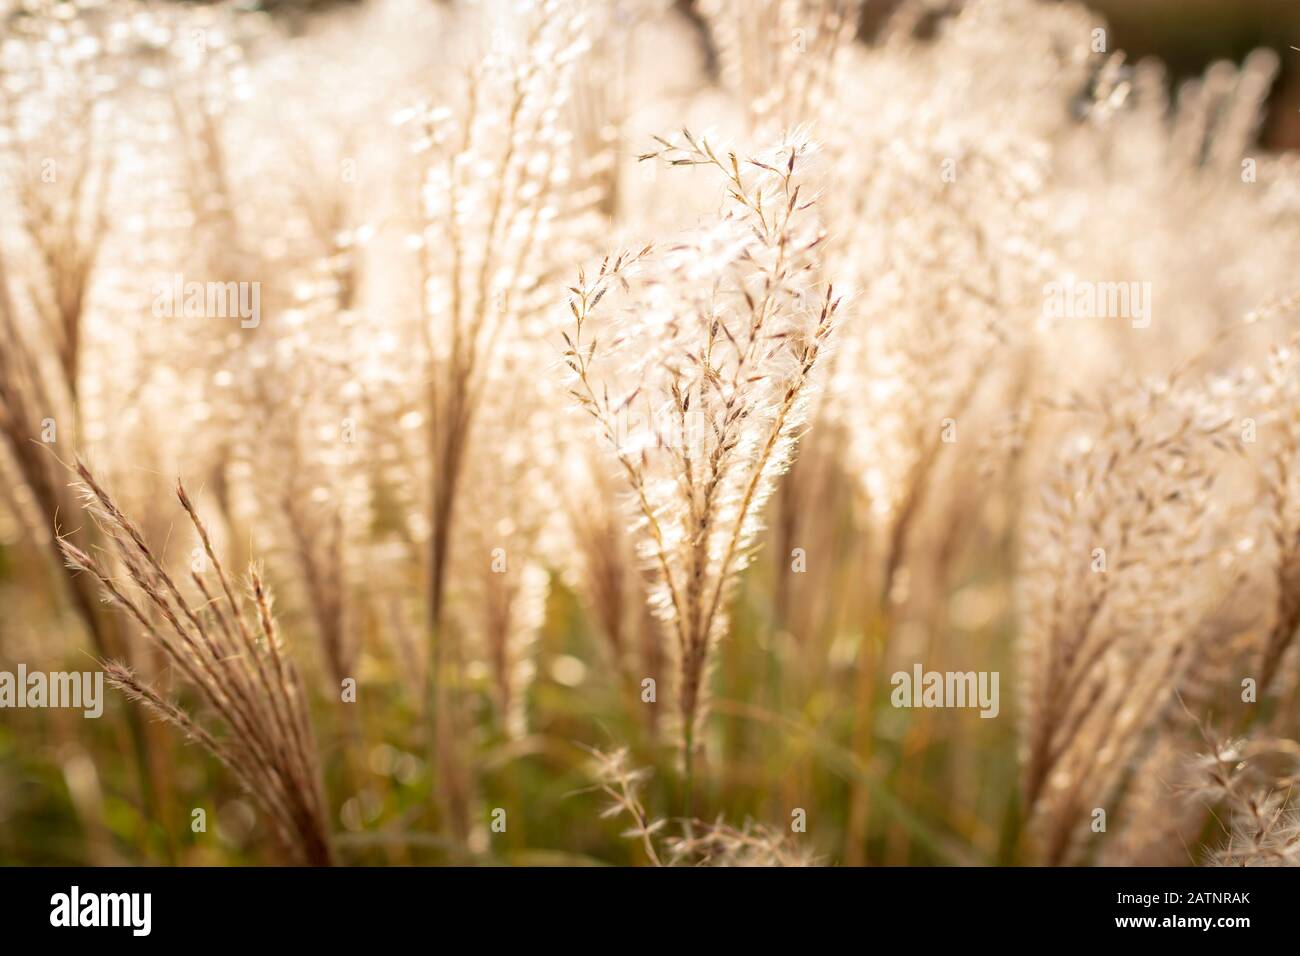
x=740, y=432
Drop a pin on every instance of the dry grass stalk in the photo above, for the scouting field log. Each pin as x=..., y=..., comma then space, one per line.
x=500, y=208
x=602, y=566
x=1282, y=521
x=780, y=55
x=716, y=844
x=501, y=580
x=480, y=259
x=238, y=670
x=1110, y=618
x=1250, y=780
x=719, y=352
x=57, y=152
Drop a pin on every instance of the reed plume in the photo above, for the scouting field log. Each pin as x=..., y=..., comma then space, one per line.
x=716, y=352
x=240, y=671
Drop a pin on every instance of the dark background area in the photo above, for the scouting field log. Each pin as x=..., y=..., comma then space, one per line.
x=1191, y=34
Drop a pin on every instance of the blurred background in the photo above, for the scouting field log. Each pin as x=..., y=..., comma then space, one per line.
x=236, y=159
x=1188, y=35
